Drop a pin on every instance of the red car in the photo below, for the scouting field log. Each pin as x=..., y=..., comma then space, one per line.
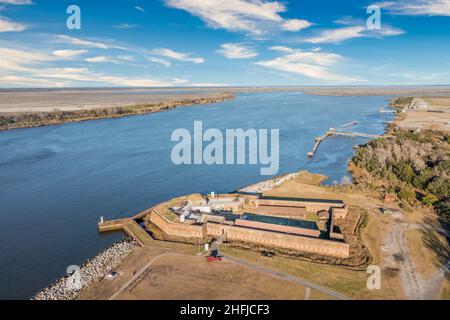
x=214, y=259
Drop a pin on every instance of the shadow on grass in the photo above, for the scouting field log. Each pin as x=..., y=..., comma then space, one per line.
x=435, y=237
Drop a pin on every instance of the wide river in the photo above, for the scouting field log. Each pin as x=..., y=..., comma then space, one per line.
x=56, y=181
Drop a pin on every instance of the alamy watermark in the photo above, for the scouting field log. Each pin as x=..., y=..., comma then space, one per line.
x=74, y=20
x=232, y=147
x=73, y=280
x=374, y=280
x=374, y=20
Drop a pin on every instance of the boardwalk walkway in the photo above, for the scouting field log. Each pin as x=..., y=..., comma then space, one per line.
x=130, y=227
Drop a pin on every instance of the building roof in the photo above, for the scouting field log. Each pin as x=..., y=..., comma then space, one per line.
x=327, y=201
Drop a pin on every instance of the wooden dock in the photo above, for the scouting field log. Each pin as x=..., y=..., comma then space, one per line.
x=353, y=134
x=349, y=124
x=130, y=227
x=316, y=145
x=334, y=132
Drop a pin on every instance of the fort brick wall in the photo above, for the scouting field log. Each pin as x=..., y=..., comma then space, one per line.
x=258, y=237
x=298, y=212
x=277, y=228
x=310, y=206
x=340, y=213
x=290, y=242
x=176, y=229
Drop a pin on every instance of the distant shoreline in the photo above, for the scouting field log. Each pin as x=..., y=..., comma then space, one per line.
x=29, y=108
x=21, y=120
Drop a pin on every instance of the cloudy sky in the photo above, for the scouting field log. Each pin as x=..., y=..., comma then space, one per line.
x=214, y=42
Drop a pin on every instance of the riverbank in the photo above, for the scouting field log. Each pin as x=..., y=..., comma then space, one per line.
x=26, y=108
x=16, y=118
x=301, y=176
x=91, y=273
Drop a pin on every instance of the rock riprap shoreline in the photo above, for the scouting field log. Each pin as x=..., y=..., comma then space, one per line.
x=94, y=270
x=267, y=185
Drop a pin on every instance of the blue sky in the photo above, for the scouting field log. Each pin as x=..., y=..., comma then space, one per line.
x=215, y=42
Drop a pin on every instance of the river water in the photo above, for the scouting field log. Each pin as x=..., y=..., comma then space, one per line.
x=56, y=181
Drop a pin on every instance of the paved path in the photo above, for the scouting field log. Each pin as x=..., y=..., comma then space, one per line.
x=284, y=276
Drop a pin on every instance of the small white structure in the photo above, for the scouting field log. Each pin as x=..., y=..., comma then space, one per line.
x=206, y=247
x=102, y=220
x=111, y=275
x=202, y=209
x=227, y=204
x=182, y=218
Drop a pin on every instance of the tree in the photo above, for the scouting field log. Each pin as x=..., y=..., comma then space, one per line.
x=440, y=187
x=429, y=199
x=421, y=181
x=443, y=209
x=407, y=194
x=404, y=171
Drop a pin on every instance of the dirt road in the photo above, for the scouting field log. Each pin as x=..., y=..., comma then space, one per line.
x=396, y=256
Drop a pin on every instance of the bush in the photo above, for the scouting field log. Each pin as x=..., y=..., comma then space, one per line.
x=444, y=166
x=429, y=199
x=421, y=181
x=440, y=187
x=404, y=171
x=406, y=194
x=443, y=209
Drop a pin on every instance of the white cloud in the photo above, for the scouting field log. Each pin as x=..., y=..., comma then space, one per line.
x=338, y=35
x=31, y=68
x=159, y=61
x=106, y=59
x=20, y=60
x=68, y=54
x=312, y=64
x=17, y=2
x=99, y=59
x=86, y=43
x=125, y=26
x=350, y=32
x=180, y=56
x=282, y=49
x=417, y=7
x=237, y=51
x=126, y=58
x=138, y=8
x=253, y=16
x=295, y=25
x=7, y=25
x=387, y=31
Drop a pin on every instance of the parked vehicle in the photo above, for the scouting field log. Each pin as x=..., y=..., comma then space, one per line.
x=268, y=254
x=214, y=259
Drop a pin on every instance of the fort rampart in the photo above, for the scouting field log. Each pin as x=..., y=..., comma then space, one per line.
x=269, y=239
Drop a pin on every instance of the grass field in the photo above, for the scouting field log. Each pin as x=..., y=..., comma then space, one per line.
x=425, y=261
x=178, y=273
